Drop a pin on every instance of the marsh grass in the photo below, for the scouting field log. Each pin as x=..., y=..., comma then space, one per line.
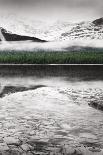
x=24, y=57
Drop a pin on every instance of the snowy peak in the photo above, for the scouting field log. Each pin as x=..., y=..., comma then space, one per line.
x=85, y=30
x=98, y=22
x=60, y=31
x=57, y=31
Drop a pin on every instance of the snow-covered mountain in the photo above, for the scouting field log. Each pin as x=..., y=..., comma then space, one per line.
x=68, y=31
x=34, y=28
x=85, y=30
x=58, y=31
x=9, y=36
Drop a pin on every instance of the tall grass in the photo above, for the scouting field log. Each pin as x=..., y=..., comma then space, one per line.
x=51, y=57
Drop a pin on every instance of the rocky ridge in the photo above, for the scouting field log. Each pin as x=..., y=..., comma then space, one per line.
x=9, y=36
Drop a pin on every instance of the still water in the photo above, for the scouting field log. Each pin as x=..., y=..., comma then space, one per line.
x=51, y=104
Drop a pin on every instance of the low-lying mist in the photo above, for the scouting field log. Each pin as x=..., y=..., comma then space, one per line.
x=50, y=46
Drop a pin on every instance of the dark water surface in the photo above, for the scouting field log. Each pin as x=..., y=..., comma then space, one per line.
x=83, y=72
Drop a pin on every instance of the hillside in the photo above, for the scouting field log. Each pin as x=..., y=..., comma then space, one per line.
x=57, y=31
x=8, y=36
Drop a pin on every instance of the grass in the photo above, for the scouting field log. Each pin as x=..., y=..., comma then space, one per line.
x=80, y=57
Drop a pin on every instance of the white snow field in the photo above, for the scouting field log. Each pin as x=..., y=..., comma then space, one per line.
x=60, y=35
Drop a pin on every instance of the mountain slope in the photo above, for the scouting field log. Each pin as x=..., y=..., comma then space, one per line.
x=98, y=22
x=71, y=31
x=57, y=31
x=85, y=30
x=8, y=36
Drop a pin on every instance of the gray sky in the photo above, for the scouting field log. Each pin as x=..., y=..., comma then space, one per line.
x=51, y=10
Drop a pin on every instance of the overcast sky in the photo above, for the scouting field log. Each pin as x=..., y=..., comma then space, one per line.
x=51, y=10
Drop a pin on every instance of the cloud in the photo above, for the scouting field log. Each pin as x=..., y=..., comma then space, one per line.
x=73, y=10
x=68, y=3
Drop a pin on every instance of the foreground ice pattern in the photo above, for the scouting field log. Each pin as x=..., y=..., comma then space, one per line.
x=51, y=121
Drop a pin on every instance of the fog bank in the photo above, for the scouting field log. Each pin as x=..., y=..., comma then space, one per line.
x=50, y=46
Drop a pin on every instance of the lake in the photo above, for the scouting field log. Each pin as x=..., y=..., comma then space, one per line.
x=45, y=109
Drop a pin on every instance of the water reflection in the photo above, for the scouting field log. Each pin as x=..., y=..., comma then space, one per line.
x=50, y=105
